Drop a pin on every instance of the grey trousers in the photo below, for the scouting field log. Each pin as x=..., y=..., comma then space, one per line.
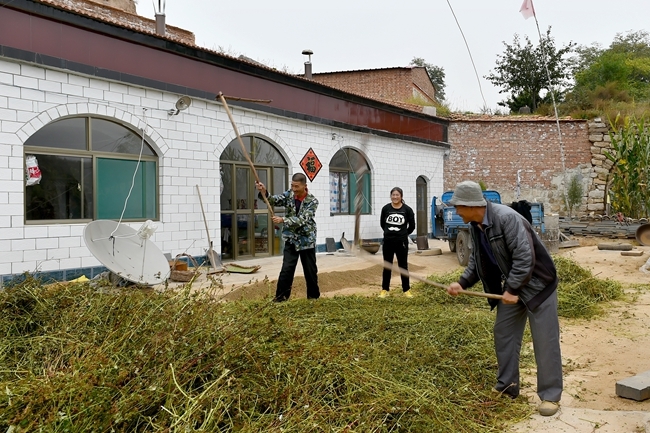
x=545, y=329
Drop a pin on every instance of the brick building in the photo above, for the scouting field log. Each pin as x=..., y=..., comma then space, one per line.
x=409, y=86
x=89, y=93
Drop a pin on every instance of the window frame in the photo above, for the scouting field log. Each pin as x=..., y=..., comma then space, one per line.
x=94, y=156
x=351, y=177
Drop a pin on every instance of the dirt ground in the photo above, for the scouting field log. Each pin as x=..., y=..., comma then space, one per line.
x=596, y=353
x=600, y=352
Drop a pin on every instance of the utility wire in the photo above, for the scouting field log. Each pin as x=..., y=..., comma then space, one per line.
x=557, y=118
x=478, y=80
x=135, y=172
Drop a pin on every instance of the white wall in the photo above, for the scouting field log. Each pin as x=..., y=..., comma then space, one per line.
x=189, y=146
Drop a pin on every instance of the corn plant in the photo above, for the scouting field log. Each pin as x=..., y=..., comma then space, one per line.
x=628, y=183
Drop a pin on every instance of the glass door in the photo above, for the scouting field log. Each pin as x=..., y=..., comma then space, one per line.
x=243, y=212
x=261, y=238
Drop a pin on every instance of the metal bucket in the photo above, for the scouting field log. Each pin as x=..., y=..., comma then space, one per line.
x=643, y=234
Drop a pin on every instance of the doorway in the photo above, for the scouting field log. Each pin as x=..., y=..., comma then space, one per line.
x=421, y=213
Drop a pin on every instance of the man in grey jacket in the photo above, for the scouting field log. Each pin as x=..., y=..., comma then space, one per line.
x=509, y=259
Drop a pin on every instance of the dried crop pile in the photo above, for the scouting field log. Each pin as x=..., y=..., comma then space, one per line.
x=77, y=359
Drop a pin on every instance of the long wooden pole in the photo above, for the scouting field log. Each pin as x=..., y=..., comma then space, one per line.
x=245, y=152
x=388, y=265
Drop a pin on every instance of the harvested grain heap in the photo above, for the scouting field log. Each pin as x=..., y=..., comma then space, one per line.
x=77, y=359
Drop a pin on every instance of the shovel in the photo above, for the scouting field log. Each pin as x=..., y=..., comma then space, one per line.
x=212, y=255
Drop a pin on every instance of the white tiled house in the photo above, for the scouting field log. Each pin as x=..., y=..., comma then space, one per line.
x=78, y=92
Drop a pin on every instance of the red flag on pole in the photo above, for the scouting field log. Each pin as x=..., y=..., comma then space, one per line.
x=527, y=9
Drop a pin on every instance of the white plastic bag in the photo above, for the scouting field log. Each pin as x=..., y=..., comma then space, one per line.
x=32, y=172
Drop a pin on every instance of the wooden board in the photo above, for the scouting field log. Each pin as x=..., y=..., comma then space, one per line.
x=234, y=268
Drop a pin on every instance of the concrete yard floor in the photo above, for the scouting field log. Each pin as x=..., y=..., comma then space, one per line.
x=596, y=353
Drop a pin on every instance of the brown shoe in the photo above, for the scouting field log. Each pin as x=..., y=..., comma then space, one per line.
x=548, y=408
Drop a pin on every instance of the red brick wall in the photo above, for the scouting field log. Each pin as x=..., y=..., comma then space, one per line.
x=394, y=84
x=493, y=151
x=422, y=80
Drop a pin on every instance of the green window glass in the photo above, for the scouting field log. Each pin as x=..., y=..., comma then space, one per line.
x=114, y=177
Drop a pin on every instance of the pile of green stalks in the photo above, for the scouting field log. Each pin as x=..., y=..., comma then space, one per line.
x=580, y=293
x=78, y=359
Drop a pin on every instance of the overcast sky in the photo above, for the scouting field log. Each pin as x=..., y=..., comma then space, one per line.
x=359, y=34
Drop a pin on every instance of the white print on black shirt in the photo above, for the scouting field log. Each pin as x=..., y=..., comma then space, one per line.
x=395, y=219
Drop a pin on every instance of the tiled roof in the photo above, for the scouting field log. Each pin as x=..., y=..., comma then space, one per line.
x=513, y=118
x=121, y=18
x=366, y=70
x=144, y=25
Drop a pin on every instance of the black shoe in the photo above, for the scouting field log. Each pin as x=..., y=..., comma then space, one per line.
x=280, y=299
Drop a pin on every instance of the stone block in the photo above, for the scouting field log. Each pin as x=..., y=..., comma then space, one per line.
x=635, y=387
x=601, y=170
x=602, y=129
x=595, y=137
x=635, y=253
x=599, y=156
x=595, y=207
x=597, y=162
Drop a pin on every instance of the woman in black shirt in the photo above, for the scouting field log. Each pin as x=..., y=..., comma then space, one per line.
x=398, y=222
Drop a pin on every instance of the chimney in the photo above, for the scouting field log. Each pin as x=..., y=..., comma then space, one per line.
x=160, y=24
x=308, y=63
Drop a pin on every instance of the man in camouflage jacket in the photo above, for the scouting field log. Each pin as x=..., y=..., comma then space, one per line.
x=299, y=234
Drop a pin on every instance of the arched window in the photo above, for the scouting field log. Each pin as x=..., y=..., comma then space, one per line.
x=87, y=166
x=343, y=182
x=246, y=229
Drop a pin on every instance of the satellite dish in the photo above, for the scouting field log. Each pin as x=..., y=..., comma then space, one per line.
x=126, y=252
x=183, y=103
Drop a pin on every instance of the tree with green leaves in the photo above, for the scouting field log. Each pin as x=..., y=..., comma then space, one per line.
x=521, y=71
x=436, y=75
x=618, y=73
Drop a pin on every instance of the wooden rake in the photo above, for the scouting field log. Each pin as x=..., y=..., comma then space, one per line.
x=241, y=143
